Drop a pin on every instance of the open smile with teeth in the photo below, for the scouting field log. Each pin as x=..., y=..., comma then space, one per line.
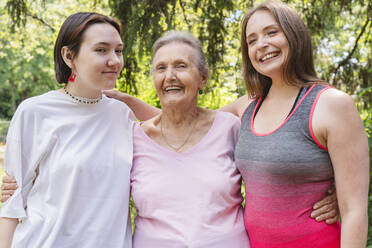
x=173, y=88
x=269, y=56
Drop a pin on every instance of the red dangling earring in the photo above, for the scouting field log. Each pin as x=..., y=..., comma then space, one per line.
x=72, y=77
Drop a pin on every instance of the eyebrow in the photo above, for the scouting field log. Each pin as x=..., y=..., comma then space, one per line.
x=102, y=43
x=181, y=60
x=265, y=28
x=176, y=61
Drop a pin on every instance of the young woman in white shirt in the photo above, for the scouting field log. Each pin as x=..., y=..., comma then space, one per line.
x=67, y=148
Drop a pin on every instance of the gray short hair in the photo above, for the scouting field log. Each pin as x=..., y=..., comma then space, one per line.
x=186, y=38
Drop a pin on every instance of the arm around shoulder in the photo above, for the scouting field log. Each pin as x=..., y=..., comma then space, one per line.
x=238, y=106
x=142, y=110
x=338, y=124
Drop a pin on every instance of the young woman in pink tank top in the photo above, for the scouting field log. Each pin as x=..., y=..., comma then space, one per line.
x=297, y=136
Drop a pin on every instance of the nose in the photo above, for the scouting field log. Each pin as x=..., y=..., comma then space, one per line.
x=170, y=74
x=114, y=59
x=262, y=42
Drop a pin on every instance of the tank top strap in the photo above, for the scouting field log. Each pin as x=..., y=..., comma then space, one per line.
x=307, y=99
x=249, y=111
x=302, y=115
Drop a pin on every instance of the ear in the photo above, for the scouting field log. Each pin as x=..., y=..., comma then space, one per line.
x=67, y=56
x=205, y=77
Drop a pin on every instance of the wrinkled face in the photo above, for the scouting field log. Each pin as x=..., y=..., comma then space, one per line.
x=176, y=76
x=267, y=45
x=99, y=60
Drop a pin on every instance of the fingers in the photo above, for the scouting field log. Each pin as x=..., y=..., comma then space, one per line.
x=8, y=179
x=4, y=198
x=332, y=220
x=7, y=190
x=328, y=215
x=7, y=193
x=322, y=210
x=114, y=94
x=330, y=199
x=111, y=93
x=9, y=186
x=328, y=212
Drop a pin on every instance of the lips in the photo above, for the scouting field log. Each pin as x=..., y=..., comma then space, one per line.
x=268, y=56
x=109, y=72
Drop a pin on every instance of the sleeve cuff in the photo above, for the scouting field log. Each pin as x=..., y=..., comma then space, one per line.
x=13, y=207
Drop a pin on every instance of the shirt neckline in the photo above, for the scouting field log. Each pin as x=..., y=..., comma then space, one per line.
x=285, y=120
x=191, y=150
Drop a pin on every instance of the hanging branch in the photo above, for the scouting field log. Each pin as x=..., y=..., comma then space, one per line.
x=345, y=60
x=17, y=10
x=184, y=14
x=42, y=21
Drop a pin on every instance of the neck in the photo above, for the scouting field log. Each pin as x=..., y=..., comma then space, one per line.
x=78, y=89
x=178, y=118
x=281, y=89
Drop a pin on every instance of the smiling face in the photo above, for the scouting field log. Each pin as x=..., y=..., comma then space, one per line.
x=99, y=60
x=267, y=45
x=176, y=76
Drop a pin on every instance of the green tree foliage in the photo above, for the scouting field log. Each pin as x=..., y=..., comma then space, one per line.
x=340, y=29
x=26, y=54
x=25, y=64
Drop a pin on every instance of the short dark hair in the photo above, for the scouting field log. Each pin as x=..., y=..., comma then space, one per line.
x=71, y=36
x=298, y=68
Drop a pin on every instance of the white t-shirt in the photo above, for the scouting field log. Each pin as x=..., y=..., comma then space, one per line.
x=72, y=164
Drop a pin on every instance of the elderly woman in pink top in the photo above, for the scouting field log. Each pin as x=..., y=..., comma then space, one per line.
x=184, y=181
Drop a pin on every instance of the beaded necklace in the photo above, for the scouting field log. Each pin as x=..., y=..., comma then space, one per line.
x=80, y=99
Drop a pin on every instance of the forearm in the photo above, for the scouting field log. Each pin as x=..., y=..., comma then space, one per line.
x=142, y=110
x=354, y=229
x=238, y=106
x=7, y=228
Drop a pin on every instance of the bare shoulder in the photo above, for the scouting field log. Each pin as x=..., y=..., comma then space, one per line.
x=335, y=106
x=336, y=100
x=335, y=111
x=238, y=107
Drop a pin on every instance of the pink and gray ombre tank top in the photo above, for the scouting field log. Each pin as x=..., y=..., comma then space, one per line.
x=285, y=172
